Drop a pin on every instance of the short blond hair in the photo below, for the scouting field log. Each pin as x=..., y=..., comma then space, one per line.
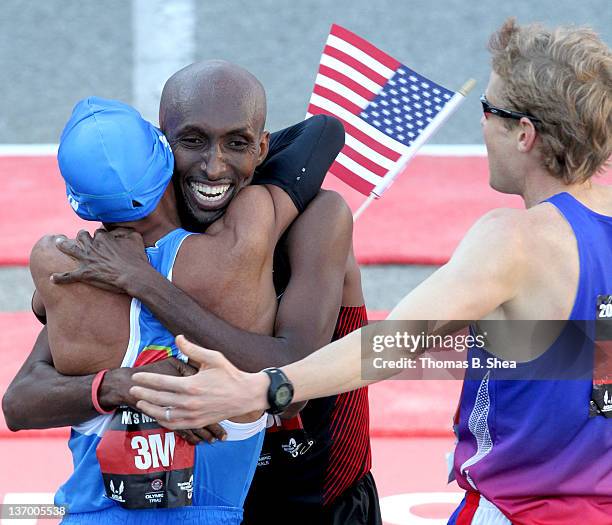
x=564, y=78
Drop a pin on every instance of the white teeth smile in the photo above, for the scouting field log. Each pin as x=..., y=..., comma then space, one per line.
x=209, y=193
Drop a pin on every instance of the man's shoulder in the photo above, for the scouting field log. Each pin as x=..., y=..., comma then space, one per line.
x=47, y=242
x=515, y=236
x=332, y=202
x=512, y=222
x=545, y=227
x=499, y=240
x=46, y=258
x=245, y=228
x=329, y=210
x=251, y=204
x=253, y=191
x=506, y=224
x=322, y=234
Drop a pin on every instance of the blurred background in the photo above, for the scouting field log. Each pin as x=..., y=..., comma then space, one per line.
x=55, y=52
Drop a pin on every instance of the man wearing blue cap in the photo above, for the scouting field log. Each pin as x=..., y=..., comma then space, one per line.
x=121, y=176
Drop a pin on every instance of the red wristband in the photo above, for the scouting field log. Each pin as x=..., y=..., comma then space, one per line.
x=95, y=386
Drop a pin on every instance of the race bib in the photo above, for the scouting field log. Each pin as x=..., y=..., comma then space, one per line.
x=145, y=466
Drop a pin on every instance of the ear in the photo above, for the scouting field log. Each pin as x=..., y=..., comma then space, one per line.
x=527, y=135
x=264, y=144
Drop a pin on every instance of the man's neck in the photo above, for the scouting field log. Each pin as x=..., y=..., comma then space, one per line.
x=541, y=186
x=161, y=221
x=152, y=229
x=155, y=231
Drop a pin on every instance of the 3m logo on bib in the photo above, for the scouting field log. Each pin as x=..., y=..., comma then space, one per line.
x=148, y=460
x=154, y=450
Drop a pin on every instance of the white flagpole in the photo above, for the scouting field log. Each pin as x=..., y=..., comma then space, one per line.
x=362, y=208
x=427, y=133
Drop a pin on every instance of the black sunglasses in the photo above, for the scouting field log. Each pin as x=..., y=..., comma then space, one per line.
x=504, y=113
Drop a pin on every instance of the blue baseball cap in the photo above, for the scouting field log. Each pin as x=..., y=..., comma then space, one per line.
x=116, y=165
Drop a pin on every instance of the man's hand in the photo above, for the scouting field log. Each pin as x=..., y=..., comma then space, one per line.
x=217, y=392
x=109, y=260
x=115, y=388
x=115, y=391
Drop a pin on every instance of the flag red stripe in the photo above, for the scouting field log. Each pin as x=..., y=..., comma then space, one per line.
x=358, y=134
x=365, y=46
x=364, y=161
x=337, y=99
x=346, y=82
x=355, y=64
x=356, y=182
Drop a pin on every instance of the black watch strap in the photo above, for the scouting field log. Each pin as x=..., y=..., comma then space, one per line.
x=280, y=391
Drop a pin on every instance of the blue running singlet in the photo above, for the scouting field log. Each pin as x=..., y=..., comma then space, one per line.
x=222, y=472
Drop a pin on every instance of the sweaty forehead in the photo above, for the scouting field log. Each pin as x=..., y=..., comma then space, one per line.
x=218, y=104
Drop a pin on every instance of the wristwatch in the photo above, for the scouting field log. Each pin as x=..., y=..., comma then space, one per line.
x=280, y=391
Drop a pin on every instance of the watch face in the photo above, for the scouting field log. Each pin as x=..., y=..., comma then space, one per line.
x=283, y=395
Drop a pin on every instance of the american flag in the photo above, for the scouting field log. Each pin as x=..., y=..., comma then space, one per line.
x=384, y=106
